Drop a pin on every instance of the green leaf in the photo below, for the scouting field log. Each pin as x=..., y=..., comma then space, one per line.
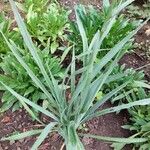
x=113, y=139
x=82, y=32
x=141, y=84
x=21, y=135
x=54, y=47
x=106, y=3
x=43, y=135
x=121, y=107
x=28, y=91
x=7, y=105
x=66, y=51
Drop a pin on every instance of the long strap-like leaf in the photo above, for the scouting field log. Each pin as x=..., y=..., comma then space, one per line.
x=114, y=139
x=27, y=39
x=121, y=107
x=35, y=106
x=20, y=136
x=43, y=135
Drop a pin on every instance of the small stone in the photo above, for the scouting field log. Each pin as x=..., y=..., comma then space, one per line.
x=11, y=142
x=147, y=32
x=20, y=126
x=18, y=148
x=87, y=141
x=6, y=147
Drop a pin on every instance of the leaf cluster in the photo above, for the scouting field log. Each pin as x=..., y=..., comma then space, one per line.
x=93, y=20
x=18, y=79
x=69, y=113
x=128, y=75
x=46, y=22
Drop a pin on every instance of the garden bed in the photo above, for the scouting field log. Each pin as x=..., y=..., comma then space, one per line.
x=109, y=125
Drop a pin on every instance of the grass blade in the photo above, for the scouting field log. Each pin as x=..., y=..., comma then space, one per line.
x=142, y=84
x=73, y=72
x=121, y=107
x=82, y=33
x=21, y=135
x=29, y=43
x=114, y=139
x=120, y=7
x=43, y=135
x=115, y=50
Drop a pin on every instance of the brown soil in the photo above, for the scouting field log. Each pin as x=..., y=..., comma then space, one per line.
x=109, y=125
x=138, y=58
x=19, y=121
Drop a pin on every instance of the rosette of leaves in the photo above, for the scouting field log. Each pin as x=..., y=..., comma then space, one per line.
x=93, y=20
x=136, y=82
x=46, y=22
x=16, y=76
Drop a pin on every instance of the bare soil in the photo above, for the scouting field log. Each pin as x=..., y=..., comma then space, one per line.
x=109, y=125
x=138, y=58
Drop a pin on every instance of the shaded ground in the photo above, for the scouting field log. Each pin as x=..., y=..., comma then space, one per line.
x=109, y=125
x=20, y=121
x=141, y=56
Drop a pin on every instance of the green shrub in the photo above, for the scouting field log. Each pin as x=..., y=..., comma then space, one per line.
x=18, y=79
x=68, y=113
x=140, y=122
x=94, y=20
x=46, y=22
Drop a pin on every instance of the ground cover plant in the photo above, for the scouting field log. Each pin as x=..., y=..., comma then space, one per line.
x=139, y=11
x=69, y=113
x=93, y=20
x=14, y=73
x=46, y=22
x=139, y=121
x=17, y=78
x=136, y=83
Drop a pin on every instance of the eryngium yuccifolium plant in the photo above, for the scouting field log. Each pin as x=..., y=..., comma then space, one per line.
x=68, y=113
